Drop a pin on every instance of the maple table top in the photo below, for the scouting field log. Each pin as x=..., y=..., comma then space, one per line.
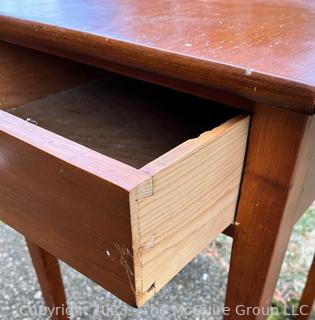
x=263, y=50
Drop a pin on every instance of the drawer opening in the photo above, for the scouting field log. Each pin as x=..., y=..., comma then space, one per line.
x=127, y=120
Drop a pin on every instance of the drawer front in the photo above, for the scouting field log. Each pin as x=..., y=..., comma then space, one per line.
x=70, y=200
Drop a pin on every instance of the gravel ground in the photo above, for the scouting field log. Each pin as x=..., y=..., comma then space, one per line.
x=200, y=285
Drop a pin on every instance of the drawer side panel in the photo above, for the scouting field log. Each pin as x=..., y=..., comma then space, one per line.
x=194, y=198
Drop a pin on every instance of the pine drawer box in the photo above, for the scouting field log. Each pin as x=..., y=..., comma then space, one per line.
x=124, y=181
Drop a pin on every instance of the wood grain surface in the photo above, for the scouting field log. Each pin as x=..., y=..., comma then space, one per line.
x=130, y=121
x=308, y=295
x=50, y=280
x=102, y=213
x=267, y=208
x=305, y=172
x=70, y=201
x=262, y=49
x=195, y=189
x=28, y=75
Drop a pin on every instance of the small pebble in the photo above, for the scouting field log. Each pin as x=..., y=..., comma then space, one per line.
x=37, y=295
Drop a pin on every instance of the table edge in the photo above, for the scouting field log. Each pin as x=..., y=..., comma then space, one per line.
x=94, y=49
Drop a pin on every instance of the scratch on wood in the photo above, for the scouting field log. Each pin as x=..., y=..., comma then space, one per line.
x=124, y=252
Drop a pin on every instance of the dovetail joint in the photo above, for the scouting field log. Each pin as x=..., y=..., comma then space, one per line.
x=145, y=189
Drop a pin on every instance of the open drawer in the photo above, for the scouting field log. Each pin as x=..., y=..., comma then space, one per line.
x=124, y=181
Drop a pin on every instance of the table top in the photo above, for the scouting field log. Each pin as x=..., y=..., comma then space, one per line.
x=263, y=50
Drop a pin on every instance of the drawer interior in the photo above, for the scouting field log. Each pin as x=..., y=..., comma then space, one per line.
x=128, y=120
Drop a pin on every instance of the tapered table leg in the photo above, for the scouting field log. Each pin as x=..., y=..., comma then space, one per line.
x=308, y=296
x=266, y=212
x=50, y=280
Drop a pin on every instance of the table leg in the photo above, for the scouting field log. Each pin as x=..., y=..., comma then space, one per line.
x=50, y=280
x=308, y=296
x=265, y=216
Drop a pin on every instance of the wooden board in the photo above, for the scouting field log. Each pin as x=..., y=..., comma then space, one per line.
x=70, y=200
x=305, y=172
x=193, y=199
x=261, y=50
x=27, y=75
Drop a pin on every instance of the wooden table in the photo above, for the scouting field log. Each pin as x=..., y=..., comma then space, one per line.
x=254, y=55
